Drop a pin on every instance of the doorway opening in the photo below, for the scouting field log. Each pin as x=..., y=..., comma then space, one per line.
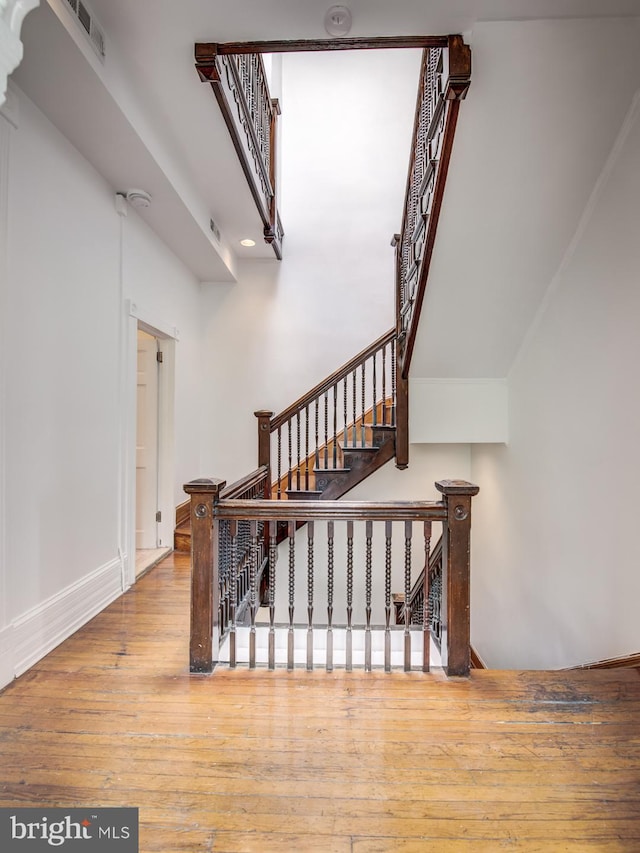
x=150, y=460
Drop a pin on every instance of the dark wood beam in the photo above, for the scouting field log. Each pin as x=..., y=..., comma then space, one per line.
x=206, y=50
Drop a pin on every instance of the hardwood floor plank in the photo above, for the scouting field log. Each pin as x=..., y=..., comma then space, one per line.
x=241, y=761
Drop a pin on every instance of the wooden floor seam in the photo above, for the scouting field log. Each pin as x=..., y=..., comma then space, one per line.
x=316, y=761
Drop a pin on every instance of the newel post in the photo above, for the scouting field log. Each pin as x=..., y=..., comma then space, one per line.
x=455, y=606
x=264, y=444
x=205, y=588
x=400, y=383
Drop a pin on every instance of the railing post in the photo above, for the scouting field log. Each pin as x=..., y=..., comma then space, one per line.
x=402, y=419
x=401, y=401
x=456, y=539
x=205, y=587
x=264, y=445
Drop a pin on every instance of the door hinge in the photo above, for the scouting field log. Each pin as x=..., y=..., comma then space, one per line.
x=159, y=516
x=159, y=357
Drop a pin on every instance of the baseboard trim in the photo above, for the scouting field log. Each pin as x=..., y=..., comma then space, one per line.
x=476, y=660
x=41, y=629
x=6, y=656
x=610, y=663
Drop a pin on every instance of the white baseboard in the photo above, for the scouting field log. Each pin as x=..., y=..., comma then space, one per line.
x=41, y=629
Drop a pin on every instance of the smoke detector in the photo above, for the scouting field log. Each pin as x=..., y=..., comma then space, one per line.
x=138, y=198
x=338, y=20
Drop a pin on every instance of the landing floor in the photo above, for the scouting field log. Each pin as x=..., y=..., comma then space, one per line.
x=517, y=761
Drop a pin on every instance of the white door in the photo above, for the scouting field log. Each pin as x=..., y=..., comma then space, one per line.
x=147, y=442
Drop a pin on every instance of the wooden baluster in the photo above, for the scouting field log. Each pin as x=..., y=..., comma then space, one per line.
x=290, y=454
x=298, y=462
x=349, y=638
x=306, y=448
x=384, y=385
x=335, y=425
x=456, y=539
x=388, y=526
x=344, y=412
x=330, y=532
x=354, y=398
x=273, y=559
x=375, y=392
x=310, y=595
x=292, y=591
x=204, y=634
x=426, y=632
x=326, y=429
x=364, y=403
x=367, y=635
x=253, y=593
x=408, y=526
x=233, y=588
x=279, y=463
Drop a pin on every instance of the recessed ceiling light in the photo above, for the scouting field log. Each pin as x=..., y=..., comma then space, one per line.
x=247, y=242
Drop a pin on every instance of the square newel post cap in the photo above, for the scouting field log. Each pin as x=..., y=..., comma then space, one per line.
x=204, y=486
x=457, y=487
x=263, y=413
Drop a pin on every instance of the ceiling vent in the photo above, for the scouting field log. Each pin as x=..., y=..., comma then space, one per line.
x=89, y=26
x=214, y=230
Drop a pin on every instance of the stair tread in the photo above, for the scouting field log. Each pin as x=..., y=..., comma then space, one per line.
x=303, y=493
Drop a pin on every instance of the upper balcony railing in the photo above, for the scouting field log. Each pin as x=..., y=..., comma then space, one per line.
x=239, y=83
x=444, y=80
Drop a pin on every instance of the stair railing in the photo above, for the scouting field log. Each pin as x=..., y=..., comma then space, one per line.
x=444, y=81
x=220, y=565
x=341, y=411
x=427, y=588
x=356, y=581
x=239, y=82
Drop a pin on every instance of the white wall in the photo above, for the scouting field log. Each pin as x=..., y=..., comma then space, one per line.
x=286, y=325
x=167, y=297
x=555, y=568
x=544, y=106
x=458, y=410
x=64, y=406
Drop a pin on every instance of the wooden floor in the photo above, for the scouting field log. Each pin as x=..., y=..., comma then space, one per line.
x=514, y=761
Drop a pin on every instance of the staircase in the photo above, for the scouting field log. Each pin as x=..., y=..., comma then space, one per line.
x=355, y=420
x=341, y=464
x=328, y=441
x=332, y=438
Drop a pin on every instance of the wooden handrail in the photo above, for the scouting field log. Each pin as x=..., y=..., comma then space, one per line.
x=241, y=487
x=337, y=376
x=434, y=130
x=320, y=510
x=248, y=125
